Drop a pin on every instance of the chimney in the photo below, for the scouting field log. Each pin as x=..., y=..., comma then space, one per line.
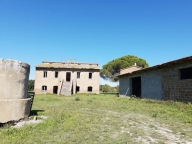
x=68, y=61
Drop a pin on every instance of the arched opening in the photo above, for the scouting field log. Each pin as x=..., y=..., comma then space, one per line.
x=44, y=88
x=89, y=89
x=55, y=89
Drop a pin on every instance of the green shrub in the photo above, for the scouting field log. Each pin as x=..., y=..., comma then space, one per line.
x=77, y=99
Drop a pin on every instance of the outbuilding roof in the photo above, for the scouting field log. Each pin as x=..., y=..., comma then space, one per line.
x=129, y=70
x=174, y=62
x=74, y=65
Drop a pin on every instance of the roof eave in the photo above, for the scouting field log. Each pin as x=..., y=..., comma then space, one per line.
x=179, y=61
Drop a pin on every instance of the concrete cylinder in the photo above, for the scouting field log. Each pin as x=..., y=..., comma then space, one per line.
x=14, y=101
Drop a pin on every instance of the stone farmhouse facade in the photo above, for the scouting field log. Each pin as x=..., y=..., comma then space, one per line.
x=167, y=81
x=67, y=78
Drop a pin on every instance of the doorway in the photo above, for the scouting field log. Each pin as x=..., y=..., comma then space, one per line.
x=136, y=86
x=77, y=89
x=55, y=89
x=68, y=76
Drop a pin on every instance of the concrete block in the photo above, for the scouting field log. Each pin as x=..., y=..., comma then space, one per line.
x=14, y=101
x=14, y=109
x=14, y=77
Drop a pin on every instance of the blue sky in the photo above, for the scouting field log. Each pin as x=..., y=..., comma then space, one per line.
x=95, y=30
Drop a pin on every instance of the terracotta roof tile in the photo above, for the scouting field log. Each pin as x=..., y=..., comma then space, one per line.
x=129, y=70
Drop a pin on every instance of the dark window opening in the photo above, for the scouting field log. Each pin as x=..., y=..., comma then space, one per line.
x=77, y=89
x=45, y=74
x=56, y=74
x=44, y=88
x=186, y=73
x=136, y=86
x=68, y=76
x=89, y=89
x=78, y=74
x=90, y=75
x=55, y=89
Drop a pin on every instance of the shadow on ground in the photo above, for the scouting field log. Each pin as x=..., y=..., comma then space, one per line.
x=35, y=112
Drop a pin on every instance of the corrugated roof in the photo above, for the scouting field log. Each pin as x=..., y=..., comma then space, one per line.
x=178, y=61
x=47, y=64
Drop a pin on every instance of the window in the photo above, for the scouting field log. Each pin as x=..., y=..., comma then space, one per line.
x=44, y=88
x=56, y=74
x=186, y=73
x=89, y=89
x=45, y=74
x=78, y=75
x=90, y=75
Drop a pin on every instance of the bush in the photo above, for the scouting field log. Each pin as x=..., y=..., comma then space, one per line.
x=77, y=99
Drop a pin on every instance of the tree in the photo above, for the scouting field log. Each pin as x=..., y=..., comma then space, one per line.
x=116, y=88
x=110, y=70
x=108, y=88
x=31, y=85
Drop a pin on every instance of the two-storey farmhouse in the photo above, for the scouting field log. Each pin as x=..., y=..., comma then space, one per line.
x=167, y=81
x=67, y=78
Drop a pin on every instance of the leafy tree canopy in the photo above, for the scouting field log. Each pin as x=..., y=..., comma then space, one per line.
x=108, y=88
x=112, y=68
x=31, y=85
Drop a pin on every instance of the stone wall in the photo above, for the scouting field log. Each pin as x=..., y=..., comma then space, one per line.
x=174, y=88
x=151, y=85
x=14, y=101
x=124, y=86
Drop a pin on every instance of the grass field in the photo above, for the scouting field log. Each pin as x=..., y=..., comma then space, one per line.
x=103, y=119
